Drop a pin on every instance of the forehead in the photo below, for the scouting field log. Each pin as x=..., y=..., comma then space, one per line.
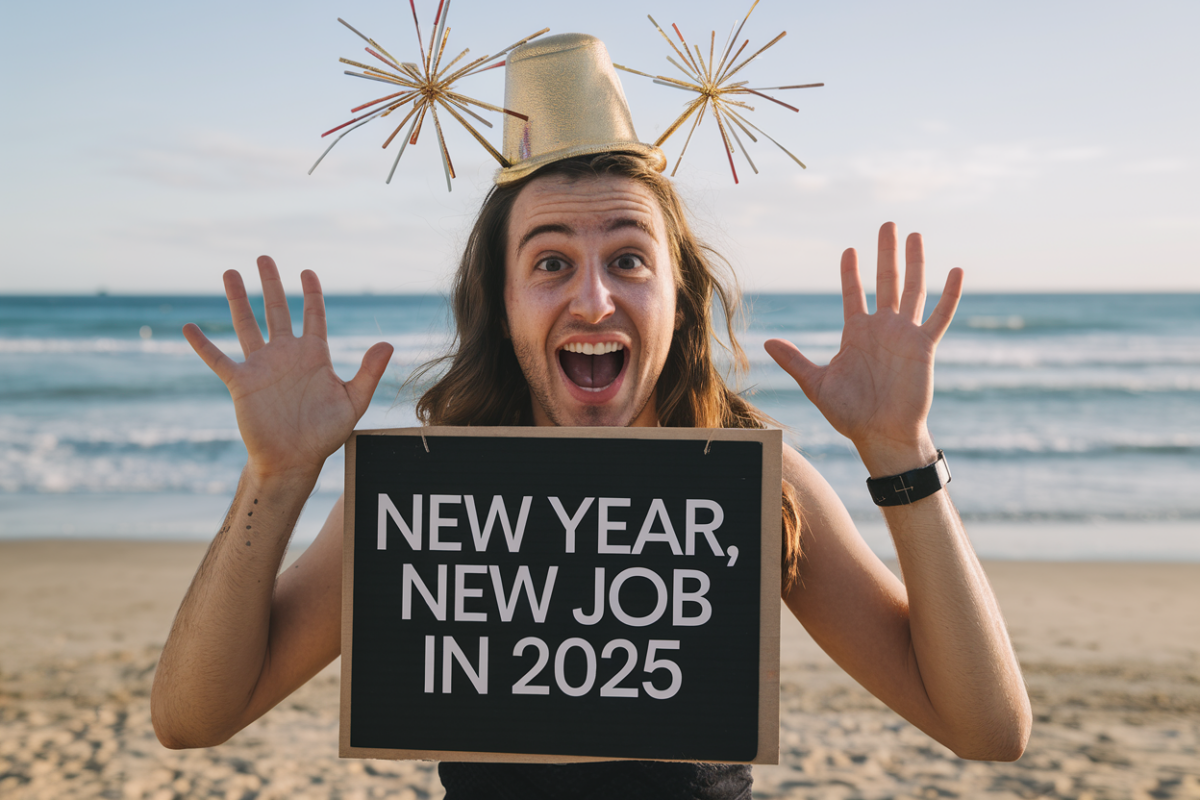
x=587, y=205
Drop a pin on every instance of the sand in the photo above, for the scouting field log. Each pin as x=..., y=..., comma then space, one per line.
x=1111, y=653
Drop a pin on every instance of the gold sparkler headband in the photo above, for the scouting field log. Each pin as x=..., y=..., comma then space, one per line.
x=426, y=85
x=562, y=97
x=713, y=83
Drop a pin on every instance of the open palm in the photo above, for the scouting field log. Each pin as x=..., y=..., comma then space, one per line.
x=878, y=388
x=293, y=411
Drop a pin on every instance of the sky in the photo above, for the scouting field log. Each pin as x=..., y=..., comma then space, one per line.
x=1040, y=146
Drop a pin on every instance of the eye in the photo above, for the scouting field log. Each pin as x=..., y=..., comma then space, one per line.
x=552, y=264
x=628, y=262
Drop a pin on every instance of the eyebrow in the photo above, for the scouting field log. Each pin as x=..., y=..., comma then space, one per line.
x=553, y=227
x=567, y=230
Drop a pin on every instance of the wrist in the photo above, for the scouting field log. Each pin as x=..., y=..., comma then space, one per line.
x=910, y=486
x=281, y=481
x=891, y=457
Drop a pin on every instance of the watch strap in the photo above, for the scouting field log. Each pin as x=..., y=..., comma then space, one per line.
x=909, y=487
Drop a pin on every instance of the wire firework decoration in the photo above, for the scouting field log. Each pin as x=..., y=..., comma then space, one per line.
x=712, y=82
x=426, y=86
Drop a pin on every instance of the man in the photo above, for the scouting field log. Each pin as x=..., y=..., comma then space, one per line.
x=583, y=299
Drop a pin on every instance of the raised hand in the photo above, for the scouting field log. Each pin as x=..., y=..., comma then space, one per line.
x=293, y=411
x=878, y=388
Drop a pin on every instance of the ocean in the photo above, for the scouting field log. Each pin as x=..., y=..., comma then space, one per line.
x=1071, y=413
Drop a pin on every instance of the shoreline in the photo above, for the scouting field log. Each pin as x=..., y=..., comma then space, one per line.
x=1111, y=653
x=192, y=518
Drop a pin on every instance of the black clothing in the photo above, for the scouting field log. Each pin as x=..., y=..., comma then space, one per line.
x=603, y=780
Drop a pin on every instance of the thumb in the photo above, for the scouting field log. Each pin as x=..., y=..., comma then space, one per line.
x=794, y=363
x=217, y=361
x=362, y=386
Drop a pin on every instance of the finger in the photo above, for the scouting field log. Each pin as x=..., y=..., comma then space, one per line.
x=912, y=304
x=209, y=353
x=314, y=305
x=244, y=323
x=794, y=363
x=279, y=319
x=887, y=271
x=854, y=298
x=939, y=321
x=362, y=387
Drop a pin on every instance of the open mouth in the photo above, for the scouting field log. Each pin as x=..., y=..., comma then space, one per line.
x=592, y=367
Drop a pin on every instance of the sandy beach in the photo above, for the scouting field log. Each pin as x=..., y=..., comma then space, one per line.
x=1111, y=653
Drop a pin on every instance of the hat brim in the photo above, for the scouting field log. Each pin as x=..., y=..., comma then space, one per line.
x=516, y=172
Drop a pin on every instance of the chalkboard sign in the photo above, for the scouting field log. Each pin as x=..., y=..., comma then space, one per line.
x=561, y=594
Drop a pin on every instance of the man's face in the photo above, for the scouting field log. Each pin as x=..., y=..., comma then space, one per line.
x=590, y=296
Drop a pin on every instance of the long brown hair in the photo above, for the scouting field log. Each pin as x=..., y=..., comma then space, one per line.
x=484, y=385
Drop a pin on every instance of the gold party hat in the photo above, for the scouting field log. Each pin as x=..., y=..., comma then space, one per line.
x=566, y=87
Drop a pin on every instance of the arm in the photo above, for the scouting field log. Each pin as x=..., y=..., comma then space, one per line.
x=243, y=641
x=935, y=649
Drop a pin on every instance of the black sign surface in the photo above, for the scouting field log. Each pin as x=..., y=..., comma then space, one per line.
x=563, y=595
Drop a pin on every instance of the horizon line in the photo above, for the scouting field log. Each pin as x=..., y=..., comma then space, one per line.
x=745, y=293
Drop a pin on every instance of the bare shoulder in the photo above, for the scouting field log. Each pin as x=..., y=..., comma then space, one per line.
x=840, y=577
x=803, y=476
x=821, y=508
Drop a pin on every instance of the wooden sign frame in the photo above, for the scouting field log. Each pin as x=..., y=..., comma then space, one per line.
x=768, y=612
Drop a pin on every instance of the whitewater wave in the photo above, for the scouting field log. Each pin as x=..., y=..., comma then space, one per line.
x=409, y=346
x=1085, y=350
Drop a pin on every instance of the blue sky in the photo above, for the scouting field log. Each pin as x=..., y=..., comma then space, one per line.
x=1038, y=145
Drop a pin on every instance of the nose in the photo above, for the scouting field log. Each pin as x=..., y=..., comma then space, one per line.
x=592, y=301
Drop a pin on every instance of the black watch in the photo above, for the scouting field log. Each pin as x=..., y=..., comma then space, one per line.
x=909, y=487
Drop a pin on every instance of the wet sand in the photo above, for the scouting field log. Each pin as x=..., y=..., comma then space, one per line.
x=1111, y=653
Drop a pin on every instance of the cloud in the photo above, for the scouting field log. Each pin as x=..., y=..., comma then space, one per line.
x=359, y=230
x=1157, y=166
x=1172, y=223
x=216, y=160
x=352, y=250
x=968, y=173
x=222, y=161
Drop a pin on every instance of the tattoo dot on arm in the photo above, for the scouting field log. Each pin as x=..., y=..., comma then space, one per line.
x=249, y=513
x=247, y=527
x=256, y=501
x=247, y=543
